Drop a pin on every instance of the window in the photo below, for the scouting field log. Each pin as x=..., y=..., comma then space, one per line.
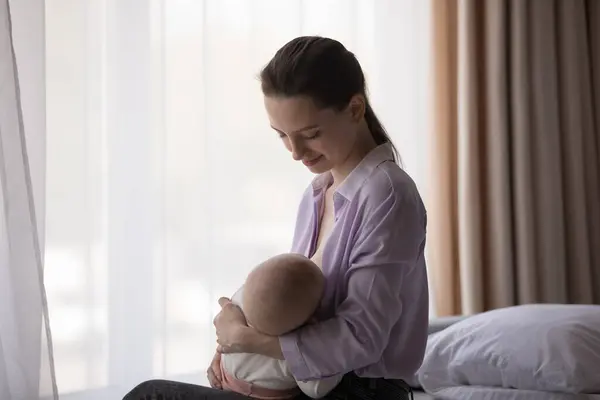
x=165, y=184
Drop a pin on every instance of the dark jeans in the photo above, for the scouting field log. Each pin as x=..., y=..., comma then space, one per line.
x=351, y=387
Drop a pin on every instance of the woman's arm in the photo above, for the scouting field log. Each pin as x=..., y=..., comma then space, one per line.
x=390, y=243
x=388, y=247
x=357, y=335
x=249, y=340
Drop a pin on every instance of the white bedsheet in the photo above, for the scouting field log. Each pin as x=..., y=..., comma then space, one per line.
x=483, y=393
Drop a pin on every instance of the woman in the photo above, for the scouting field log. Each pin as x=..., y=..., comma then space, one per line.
x=361, y=220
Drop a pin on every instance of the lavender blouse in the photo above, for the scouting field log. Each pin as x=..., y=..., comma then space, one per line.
x=374, y=313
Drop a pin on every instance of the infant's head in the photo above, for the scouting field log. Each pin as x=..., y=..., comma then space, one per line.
x=282, y=293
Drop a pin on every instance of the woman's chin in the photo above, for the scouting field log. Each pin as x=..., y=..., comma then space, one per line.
x=319, y=168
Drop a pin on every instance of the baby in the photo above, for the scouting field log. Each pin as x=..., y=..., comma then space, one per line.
x=279, y=295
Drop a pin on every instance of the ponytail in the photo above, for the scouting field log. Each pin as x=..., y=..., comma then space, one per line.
x=378, y=131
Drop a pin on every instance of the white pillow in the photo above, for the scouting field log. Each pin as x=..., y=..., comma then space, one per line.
x=545, y=347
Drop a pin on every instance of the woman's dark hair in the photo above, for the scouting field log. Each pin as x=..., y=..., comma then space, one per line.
x=323, y=70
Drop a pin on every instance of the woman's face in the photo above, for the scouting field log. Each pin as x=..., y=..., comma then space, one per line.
x=322, y=139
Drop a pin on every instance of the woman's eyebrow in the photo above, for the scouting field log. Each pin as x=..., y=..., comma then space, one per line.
x=306, y=128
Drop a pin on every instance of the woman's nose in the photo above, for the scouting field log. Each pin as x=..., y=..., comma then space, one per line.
x=297, y=149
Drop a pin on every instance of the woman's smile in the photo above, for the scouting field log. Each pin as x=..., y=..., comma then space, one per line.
x=313, y=161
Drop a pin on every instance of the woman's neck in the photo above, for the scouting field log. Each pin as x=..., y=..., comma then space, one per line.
x=363, y=146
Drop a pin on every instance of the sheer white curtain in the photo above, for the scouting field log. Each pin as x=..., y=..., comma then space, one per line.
x=165, y=184
x=26, y=369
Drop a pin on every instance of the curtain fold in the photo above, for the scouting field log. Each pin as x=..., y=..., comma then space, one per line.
x=442, y=208
x=26, y=365
x=515, y=186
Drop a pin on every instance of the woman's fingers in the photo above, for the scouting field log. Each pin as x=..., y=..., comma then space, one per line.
x=223, y=301
x=216, y=366
x=213, y=381
x=223, y=349
x=214, y=372
x=217, y=372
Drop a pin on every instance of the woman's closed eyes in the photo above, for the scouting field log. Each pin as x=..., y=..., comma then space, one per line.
x=312, y=135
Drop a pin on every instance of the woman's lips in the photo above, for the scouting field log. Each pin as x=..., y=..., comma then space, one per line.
x=310, y=163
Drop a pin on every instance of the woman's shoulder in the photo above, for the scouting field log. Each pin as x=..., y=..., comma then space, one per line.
x=389, y=183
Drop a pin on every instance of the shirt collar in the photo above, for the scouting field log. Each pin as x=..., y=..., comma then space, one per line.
x=359, y=174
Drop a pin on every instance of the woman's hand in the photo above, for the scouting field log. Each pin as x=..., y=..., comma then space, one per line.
x=231, y=327
x=214, y=372
x=235, y=336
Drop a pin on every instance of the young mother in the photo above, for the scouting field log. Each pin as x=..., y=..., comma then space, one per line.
x=361, y=220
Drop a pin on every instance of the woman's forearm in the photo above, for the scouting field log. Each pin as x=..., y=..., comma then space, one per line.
x=265, y=345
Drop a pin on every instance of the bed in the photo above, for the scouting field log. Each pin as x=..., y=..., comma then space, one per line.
x=489, y=393
x=536, y=351
x=435, y=325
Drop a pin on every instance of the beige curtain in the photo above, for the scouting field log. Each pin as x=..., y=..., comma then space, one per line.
x=515, y=202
